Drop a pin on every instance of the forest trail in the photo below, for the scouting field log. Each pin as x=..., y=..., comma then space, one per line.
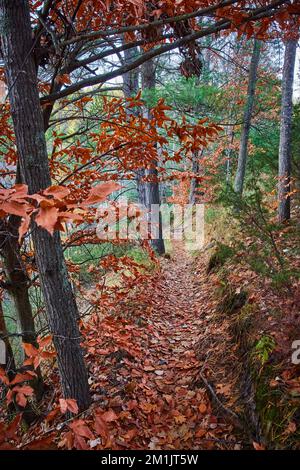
x=163, y=406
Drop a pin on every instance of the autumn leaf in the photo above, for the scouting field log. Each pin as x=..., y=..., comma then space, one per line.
x=23, y=377
x=47, y=217
x=109, y=416
x=200, y=433
x=52, y=415
x=46, y=341
x=45, y=443
x=258, y=446
x=80, y=428
x=58, y=192
x=202, y=408
x=14, y=208
x=68, y=404
x=13, y=426
x=64, y=79
x=3, y=377
x=100, y=192
x=21, y=400
x=30, y=350
x=101, y=427
x=22, y=393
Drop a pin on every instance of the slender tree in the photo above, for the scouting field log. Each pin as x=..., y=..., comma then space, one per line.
x=130, y=89
x=243, y=152
x=284, y=162
x=20, y=68
x=152, y=195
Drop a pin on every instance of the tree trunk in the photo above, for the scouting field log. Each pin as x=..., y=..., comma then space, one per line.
x=152, y=196
x=194, y=181
x=130, y=89
x=131, y=79
x=9, y=366
x=284, y=200
x=243, y=153
x=17, y=278
x=31, y=144
x=17, y=287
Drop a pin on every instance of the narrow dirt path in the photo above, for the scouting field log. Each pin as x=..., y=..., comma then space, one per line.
x=148, y=373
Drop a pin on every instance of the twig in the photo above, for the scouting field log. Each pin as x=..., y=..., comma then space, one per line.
x=221, y=405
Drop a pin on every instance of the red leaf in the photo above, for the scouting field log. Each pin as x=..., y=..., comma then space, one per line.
x=109, y=416
x=68, y=404
x=13, y=426
x=22, y=378
x=101, y=427
x=80, y=428
x=25, y=389
x=21, y=400
x=41, y=444
x=52, y=415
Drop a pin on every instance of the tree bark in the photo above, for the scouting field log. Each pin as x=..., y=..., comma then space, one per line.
x=284, y=162
x=17, y=287
x=194, y=181
x=131, y=79
x=243, y=152
x=9, y=366
x=17, y=46
x=130, y=89
x=17, y=279
x=152, y=196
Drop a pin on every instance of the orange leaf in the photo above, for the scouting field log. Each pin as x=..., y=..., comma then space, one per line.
x=101, y=191
x=202, y=408
x=64, y=79
x=47, y=218
x=30, y=350
x=200, y=433
x=109, y=416
x=45, y=341
x=101, y=427
x=258, y=446
x=21, y=378
x=58, y=192
x=14, y=208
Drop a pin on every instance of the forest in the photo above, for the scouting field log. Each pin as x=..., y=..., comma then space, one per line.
x=149, y=227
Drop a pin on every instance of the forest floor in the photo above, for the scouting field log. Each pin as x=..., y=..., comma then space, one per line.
x=169, y=369
x=148, y=366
